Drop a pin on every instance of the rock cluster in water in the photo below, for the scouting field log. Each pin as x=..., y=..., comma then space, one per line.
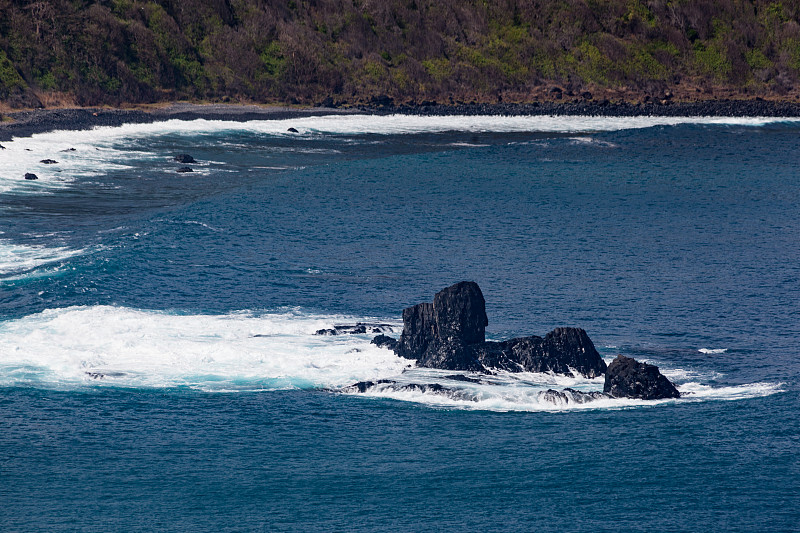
x=450, y=334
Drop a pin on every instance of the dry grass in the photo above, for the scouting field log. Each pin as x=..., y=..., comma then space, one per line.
x=56, y=100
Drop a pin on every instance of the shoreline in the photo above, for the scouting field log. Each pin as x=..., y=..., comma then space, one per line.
x=30, y=122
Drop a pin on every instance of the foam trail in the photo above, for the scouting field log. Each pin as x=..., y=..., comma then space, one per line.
x=18, y=258
x=101, y=345
x=709, y=351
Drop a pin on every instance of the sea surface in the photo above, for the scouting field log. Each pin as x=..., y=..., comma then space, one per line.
x=159, y=368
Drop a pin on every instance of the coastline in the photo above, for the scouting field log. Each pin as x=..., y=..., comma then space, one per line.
x=29, y=122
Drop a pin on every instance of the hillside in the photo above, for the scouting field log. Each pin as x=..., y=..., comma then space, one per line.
x=412, y=51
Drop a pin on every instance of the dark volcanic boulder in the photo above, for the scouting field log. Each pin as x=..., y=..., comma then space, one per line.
x=559, y=351
x=29, y=176
x=185, y=159
x=48, y=161
x=293, y=130
x=384, y=341
x=460, y=313
x=628, y=378
x=440, y=335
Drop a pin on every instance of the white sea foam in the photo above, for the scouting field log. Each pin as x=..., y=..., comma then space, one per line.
x=710, y=351
x=16, y=259
x=394, y=125
x=102, y=345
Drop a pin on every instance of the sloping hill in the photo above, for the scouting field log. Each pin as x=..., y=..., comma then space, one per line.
x=312, y=51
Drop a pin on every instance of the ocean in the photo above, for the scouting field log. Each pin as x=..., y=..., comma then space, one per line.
x=159, y=368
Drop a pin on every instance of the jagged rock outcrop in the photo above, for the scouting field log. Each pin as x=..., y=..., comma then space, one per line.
x=628, y=378
x=450, y=334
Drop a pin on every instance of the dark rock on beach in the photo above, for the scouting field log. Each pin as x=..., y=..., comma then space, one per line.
x=450, y=334
x=49, y=161
x=30, y=176
x=628, y=378
x=185, y=169
x=184, y=158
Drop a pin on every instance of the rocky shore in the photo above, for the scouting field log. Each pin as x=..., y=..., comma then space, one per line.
x=26, y=123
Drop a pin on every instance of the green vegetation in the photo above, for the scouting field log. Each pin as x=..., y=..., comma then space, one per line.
x=135, y=51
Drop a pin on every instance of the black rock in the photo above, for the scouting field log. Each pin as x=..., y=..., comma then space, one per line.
x=436, y=388
x=2, y=147
x=292, y=130
x=450, y=334
x=29, y=176
x=364, y=386
x=462, y=377
x=69, y=150
x=357, y=329
x=384, y=341
x=569, y=395
x=184, y=158
x=48, y=161
x=559, y=351
x=628, y=378
x=185, y=169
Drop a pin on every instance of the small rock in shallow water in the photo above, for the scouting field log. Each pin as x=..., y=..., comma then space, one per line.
x=184, y=158
x=185, y=169
x=628, y=378
x=48, y=161
x=292, y=130
x=69, y=150
x=30, y=176
x=384, y=341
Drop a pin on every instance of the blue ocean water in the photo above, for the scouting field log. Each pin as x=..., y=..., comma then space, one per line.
x=158, y=368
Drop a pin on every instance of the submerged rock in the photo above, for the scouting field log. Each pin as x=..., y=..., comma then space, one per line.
x=568, y=396
x=69, y=150
x=450, y=334
x=48, y=161
x=391, y=385
x=185, y=169
x=628, y=378
x=184, y=158
x=356, y=329
x=31, y=176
